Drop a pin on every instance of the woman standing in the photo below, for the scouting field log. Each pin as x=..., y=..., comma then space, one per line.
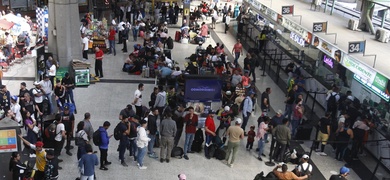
x=81, y=140
x=135, y=31
x=29, y=126
x=297, y=116
x=52, y=70
x=142, y=143
x=344, y=134
x=15, y=165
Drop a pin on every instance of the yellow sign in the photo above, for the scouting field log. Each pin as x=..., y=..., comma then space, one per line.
x=186, y=12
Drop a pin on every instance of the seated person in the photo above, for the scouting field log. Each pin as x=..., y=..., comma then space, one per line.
x=286, y=174
x=176, y=72
x=191, y=68
x=128, y=63
x=165, y=71
x=138, y=63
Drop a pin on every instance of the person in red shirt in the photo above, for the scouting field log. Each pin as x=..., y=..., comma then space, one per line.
x=210, y=133
x=99, y=62
x=111, y=40
x=191, y=120
x=237, y=51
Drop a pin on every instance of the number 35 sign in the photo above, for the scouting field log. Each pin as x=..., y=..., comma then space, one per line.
x=320, y=27
x=356, y=47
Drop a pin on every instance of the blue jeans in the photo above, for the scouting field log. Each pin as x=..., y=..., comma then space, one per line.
x=141, y=155
x=288, y=111
x=236, y=57
x=188, y=142
x=112, y=46
x=209, y=139
x=266, y=137
x=69, y=96
x=294, y=126
x=245, y=120
x=133, y=148
x=49, y=97
x=123, y=143
x=151, y=143
x=261, y=145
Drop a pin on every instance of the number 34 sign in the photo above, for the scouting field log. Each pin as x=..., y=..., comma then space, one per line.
x=356, y=47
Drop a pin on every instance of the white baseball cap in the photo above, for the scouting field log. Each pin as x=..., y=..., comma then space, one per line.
x=305, y=156
x=238, y=120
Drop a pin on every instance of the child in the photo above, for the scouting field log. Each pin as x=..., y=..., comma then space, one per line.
x=251, y=138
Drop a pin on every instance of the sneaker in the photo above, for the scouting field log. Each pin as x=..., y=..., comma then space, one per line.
x=103, y=168
x=186, y=157
x=167, y=160
x=60, y=160
x=318, y=150
x=263, y=154
x=59, y=168
x=161, y=160
x=323, y=154
x=33, y=155
x=69, y=153
x=259, y=158
x=230, y=165
x=107, y=163
x=124, y=164
x=142, y=167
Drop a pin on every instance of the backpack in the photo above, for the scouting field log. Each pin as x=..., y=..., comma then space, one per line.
x=220, y=154
x=199, y=137
x=212, y=148
x=242, y=104
x=303, y=171
x=96, y=138
x=50, y=131
x=117, y=132
x=79, y=140
x=177, y=152
x=49, y=170
x=332, y=103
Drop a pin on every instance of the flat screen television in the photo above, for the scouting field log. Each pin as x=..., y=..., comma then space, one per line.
x=201, y=88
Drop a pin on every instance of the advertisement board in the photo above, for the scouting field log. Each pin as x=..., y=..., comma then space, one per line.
x=327, y=48
x=363, y=71
x=8, y=141
x=81, y=77
x=373, y=88
x=296, y=28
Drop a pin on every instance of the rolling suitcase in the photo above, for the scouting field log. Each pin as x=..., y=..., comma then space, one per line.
x=177, y=36
x=145, y=72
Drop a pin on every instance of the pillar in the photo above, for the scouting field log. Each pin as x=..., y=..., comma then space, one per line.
x=64, y=31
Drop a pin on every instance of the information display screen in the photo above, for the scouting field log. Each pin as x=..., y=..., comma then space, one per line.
x=202, y=89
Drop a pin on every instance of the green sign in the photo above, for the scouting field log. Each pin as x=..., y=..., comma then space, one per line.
x=81, y=77
x=380, y=82
x=60, y=73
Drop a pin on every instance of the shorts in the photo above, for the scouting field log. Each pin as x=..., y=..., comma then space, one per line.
x=322, y=137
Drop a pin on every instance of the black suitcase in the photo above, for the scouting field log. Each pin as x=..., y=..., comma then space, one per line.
x=304, y=132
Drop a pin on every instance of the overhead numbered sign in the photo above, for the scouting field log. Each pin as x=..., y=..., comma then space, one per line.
x=320, y=27
x=287, y=10
x=356, y=47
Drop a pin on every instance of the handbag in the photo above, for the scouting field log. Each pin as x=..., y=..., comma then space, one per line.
x=35, y=129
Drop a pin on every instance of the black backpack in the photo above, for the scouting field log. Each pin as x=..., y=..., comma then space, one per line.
x=199, y=137
x=117, y=132
x=50, y=131
x=332, y=103
x=170, y=43
x=177, y=152
x=96, y=138
x=212, y=148
x=79, y=140
x=242, y=104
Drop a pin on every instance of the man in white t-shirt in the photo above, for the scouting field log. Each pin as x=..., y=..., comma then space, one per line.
x=38, y=98
x=138, y=100
x=84, y=45
x=304, y=168
x=60, y=136
x=47, y=87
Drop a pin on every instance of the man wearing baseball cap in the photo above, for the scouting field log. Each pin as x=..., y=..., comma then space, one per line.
x=235, y=133
x=304, y=168
x=344, y=171
x=40, y=161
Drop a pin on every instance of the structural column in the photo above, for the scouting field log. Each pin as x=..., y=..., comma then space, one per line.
x=64, y=31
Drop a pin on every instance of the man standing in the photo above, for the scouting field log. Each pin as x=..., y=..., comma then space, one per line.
x=40, y=161
x=227, y=22
x=124, y=128
x=283, y=137
x=87, y=163
x=275, y=121
x=235, y=134
x=68, y=120
x=210, y=133
x=47, y=87
x=290, y=102
x=127, y=112
x=111, y=40
x=38, y=98
x=125, y=37
x=168, y=131
x=323, y=133
x=68, y=83
x=250, y=66
x=247, y=109
x=60, y=136
x=137, y=102
x=265, y=102
x=161, y=101
x=237, y=51
x=103, y=147
x=23, y=90
x=178, y=118
x=191, y=120
x=88, y=126
x=99, y=62
x=134, y=123
x=152, y=128
x=84, y=45
x=6, y=98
